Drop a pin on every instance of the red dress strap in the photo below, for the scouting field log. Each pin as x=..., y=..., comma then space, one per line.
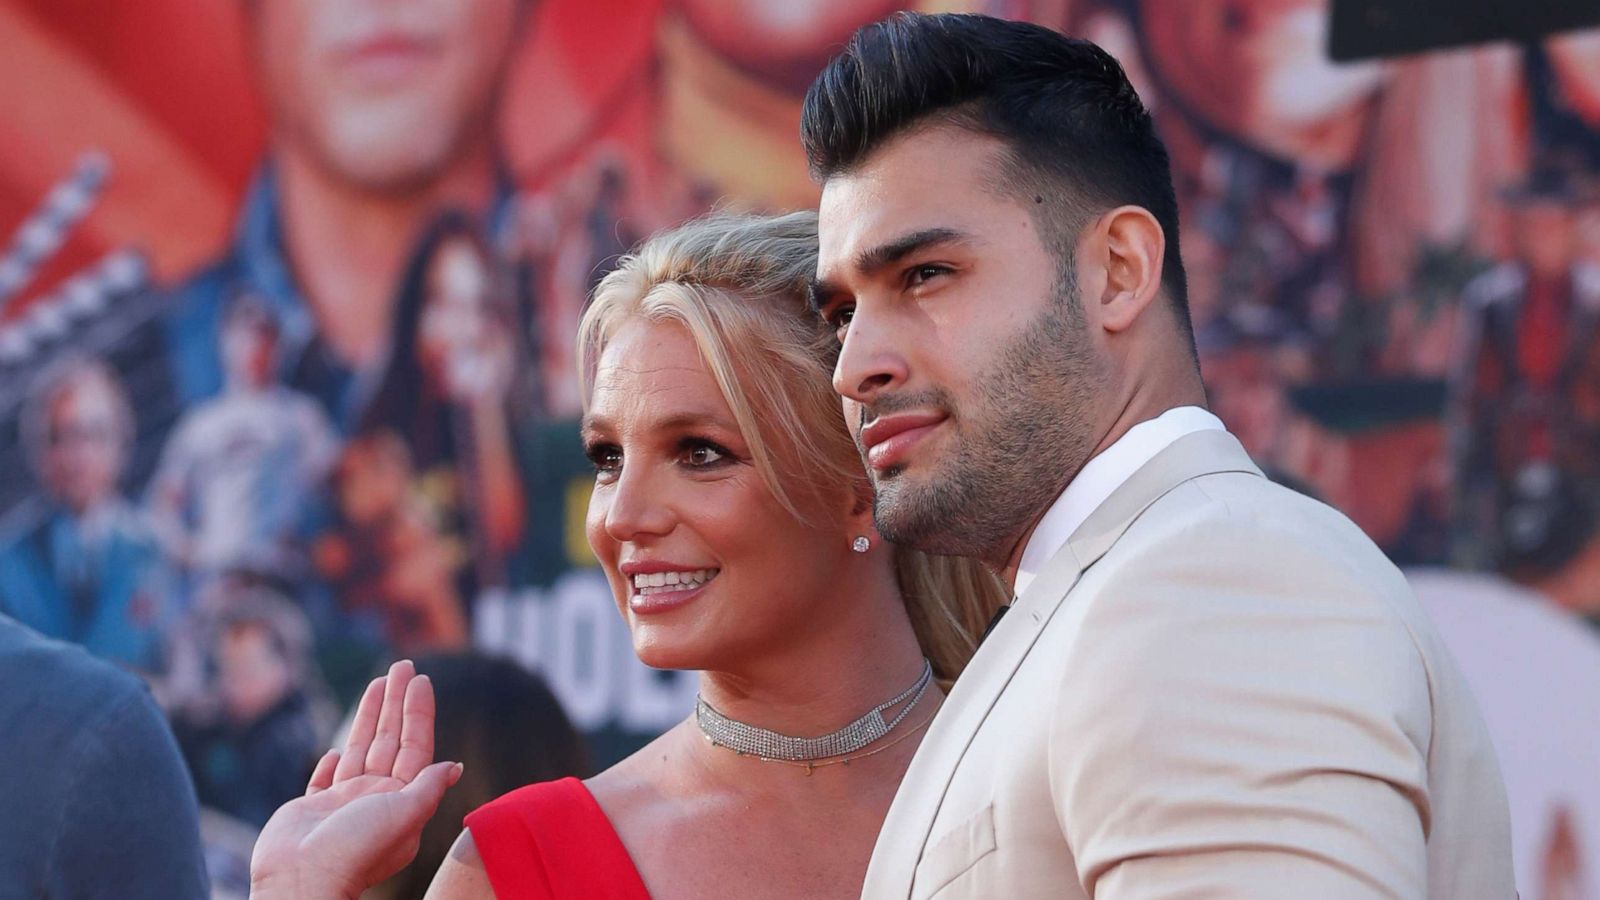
x=551, y=841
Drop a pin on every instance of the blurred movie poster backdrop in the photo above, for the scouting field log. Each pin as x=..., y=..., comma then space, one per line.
x=288, y=291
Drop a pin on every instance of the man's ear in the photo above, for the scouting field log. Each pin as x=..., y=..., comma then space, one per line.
x=1132, y=249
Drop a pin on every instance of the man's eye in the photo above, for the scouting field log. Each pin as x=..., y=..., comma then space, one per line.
x=922, y=274
x=840, y=320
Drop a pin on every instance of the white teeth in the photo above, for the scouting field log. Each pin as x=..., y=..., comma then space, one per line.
x=647, y=584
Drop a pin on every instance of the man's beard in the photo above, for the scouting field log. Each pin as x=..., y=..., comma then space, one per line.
x=1027, y=433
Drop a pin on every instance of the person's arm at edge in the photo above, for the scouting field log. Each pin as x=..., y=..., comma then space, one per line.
x=129, y=824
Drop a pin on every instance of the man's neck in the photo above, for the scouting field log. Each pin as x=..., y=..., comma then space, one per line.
x=1141, y=407
x=347, y=244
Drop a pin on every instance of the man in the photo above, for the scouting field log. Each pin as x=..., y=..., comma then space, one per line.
x=242, y=470
x=89, y=572
x=382, y=114
x=94, y=797
x=1209, y=686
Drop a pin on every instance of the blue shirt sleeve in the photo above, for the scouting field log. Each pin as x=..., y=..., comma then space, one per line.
x=129, y=825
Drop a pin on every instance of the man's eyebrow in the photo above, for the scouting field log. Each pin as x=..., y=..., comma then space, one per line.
x=869, y=262
x=875, y=259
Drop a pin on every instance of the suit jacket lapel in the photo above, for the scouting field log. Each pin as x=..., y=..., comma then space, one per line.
x=910, y=821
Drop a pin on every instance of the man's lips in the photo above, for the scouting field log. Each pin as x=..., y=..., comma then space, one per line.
x=889, y=439
x=387, y=56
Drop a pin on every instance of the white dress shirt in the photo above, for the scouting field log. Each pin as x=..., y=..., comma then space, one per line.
x=1101, y=476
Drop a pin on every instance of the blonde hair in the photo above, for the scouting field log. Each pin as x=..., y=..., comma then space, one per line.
x=738, y=285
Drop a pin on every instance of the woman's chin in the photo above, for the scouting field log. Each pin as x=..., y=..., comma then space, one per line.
x=657, y=647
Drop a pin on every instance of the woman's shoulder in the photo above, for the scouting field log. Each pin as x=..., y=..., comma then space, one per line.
x=462, y=876
x=550, y=839
x=565, y=796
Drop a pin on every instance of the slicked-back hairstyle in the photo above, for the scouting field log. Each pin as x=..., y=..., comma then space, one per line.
x=1080, y=140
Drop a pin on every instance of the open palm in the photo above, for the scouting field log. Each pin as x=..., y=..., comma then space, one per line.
x=363, y=812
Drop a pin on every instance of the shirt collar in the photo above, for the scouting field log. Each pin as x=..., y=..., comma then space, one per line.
x=1100, y=477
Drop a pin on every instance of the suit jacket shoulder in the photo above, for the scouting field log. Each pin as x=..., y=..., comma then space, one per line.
x=1218, y=688
x=1237, y=645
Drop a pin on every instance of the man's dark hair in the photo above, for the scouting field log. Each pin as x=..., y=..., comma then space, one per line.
x=1080, y=140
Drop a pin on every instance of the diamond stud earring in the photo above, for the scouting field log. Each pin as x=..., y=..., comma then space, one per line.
x=861, y=544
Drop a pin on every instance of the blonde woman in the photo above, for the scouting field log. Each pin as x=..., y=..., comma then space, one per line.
x=732, y=516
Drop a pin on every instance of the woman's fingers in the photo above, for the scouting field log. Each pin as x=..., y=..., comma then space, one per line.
x=386, y=738
x=416, y=730
x=354, y=759
x=421, y=797
x=322, y=775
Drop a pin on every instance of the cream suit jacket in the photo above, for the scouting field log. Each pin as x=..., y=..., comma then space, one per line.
x=1218, y=689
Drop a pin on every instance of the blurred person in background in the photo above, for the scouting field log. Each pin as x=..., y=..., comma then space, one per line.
x=1528, y=387
x=94, y=801
x=1304, y=171
x=241, y=473
x=389, y=556
x=90, y=572
x=503, y=724
x=380, y=114
x=447, y=389
x=250, y=729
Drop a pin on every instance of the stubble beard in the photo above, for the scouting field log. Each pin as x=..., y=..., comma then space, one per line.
x=1010, y=454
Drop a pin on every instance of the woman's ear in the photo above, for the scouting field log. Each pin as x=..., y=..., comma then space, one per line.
x=859, y=521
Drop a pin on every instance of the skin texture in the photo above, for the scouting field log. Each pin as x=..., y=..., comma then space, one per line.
x=966, y=330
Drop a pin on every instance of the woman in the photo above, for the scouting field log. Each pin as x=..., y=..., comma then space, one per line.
x=444, y=395
x=733, y=520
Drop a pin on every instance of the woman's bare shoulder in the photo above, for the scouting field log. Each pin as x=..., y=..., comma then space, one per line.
x=634, y=786
x=462, y=877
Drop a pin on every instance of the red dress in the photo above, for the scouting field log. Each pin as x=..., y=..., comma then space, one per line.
x=551, y=841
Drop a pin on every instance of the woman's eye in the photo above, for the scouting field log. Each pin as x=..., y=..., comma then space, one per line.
x=702, y=455
x=607, y=462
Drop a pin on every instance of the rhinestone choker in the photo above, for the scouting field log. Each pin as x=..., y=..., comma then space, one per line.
x=751, y=740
